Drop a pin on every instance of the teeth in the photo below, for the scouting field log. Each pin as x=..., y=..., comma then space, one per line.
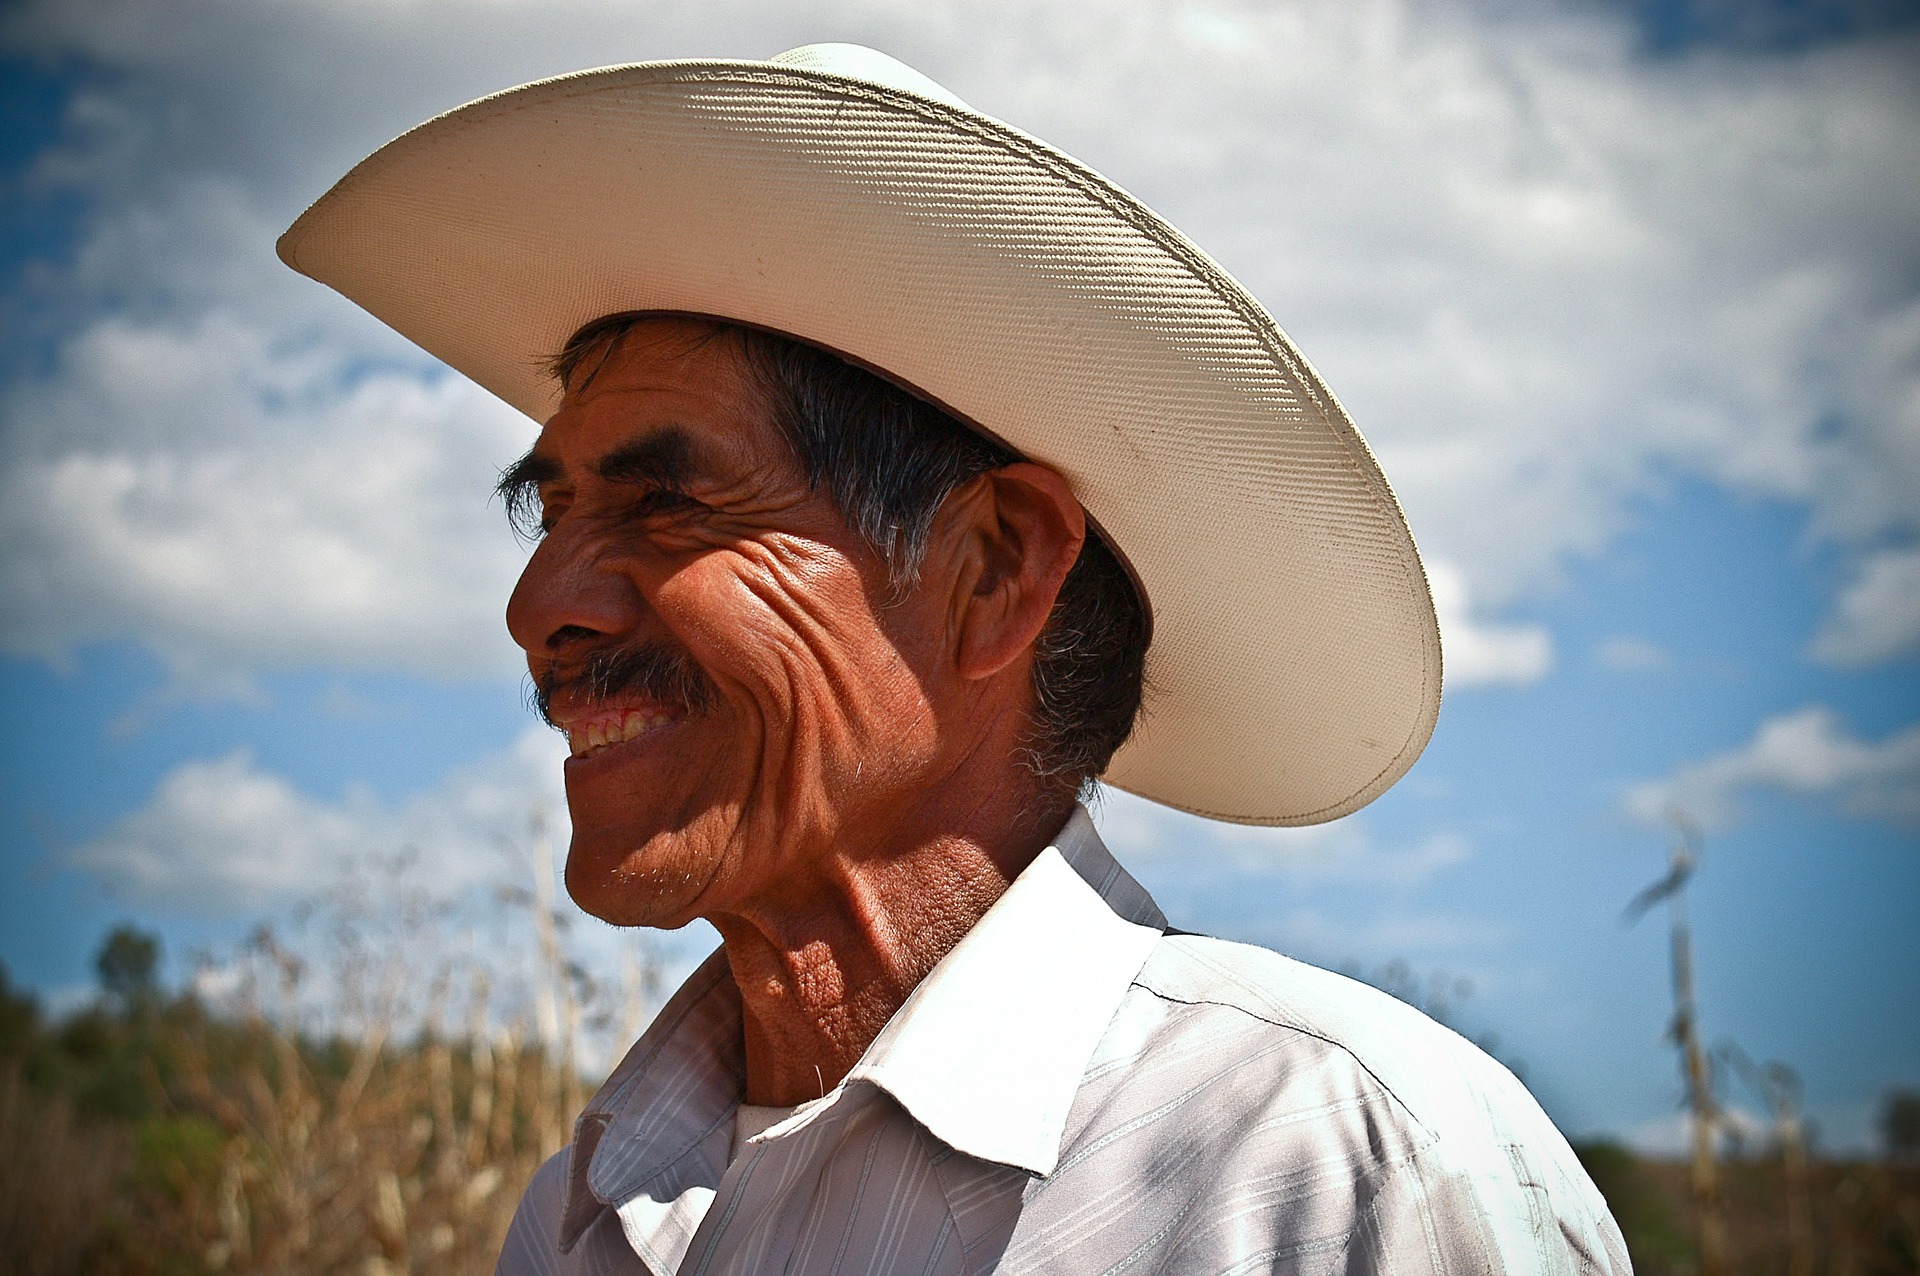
x=637, y=722
x=596, y=736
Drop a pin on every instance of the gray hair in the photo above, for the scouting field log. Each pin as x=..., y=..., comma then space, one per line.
x=888, y=459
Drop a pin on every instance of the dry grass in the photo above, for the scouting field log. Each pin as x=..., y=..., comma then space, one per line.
x=410, y=1162
x=368, y=1097
x=53, y=1177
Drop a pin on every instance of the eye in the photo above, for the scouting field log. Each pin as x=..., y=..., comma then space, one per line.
x=543, y=514
x=664, y=500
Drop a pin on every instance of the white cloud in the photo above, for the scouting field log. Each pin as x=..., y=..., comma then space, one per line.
x=1476, y=651
x=1544, y=273
x=240, y=505
x=381, y=902
x=1625, y=653
x=1345, y=850
x=1808, y=753
x=1335, y=894
x=221, y=835
x=1671, y=1137
x=1842, y=1129
x=1878, y=615
x=1391, y=932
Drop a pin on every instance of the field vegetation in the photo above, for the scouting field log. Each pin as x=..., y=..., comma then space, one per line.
x=368, y=1092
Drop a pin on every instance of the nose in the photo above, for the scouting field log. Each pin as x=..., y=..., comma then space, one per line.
x=567, y=596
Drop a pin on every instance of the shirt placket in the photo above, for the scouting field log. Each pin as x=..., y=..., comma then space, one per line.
x=767, y=1215
x=758, y=1204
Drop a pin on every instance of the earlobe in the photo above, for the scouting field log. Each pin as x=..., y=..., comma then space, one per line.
x=1022, y=536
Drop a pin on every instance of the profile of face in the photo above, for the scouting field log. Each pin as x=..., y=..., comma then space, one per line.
x=738, y=688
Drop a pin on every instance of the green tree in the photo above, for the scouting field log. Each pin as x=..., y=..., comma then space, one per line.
x=19, y=1018
x=128, y=964
x=1900, y=1124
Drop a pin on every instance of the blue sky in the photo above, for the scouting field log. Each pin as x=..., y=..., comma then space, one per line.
x=1627, y=299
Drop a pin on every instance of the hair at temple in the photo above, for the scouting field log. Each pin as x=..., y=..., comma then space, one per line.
x=888, y=459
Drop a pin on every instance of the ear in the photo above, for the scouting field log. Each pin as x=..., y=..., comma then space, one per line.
x=1014, y=534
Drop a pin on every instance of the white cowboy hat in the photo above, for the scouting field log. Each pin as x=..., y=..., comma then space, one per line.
x=838, y=196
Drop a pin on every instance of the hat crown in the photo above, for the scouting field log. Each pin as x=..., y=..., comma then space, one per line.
x=858, y=62
x=840, y=197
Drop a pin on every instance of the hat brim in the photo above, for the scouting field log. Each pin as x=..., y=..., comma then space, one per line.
x=1295, y=669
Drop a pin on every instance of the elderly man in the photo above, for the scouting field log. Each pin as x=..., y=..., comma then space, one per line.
x=886, y=455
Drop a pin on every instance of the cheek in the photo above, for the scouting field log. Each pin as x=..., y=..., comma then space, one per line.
x=794, y=629
x=763, y=616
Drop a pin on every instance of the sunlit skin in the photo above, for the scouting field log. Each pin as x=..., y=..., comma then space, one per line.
x=849, y=799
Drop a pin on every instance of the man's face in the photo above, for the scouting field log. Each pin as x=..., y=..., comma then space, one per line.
x=709, y=633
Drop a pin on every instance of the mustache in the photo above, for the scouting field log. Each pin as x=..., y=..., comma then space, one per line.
x=653, y=670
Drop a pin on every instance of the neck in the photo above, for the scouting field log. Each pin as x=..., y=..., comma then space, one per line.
x=824, y=966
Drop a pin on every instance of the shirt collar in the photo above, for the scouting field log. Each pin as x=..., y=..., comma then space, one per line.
x=987, y=1053
x=652, y=1125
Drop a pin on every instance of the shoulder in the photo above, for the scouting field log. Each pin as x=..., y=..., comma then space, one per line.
x=532, y=1245
x=1383, y=1124
x=1302, y=1016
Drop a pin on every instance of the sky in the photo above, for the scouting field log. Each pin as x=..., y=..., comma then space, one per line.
x=1625, y=296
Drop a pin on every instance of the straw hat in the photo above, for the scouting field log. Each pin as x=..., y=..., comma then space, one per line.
x=838, y=196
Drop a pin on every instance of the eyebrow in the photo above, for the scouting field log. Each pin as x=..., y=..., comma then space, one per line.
x=662, y=461
x=519, y=490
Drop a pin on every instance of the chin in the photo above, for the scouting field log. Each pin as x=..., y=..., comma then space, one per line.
x=655, y=883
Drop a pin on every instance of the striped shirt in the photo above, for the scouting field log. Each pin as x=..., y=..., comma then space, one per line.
x=1073, y=1089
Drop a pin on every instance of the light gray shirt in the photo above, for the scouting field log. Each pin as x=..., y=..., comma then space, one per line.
x=1074, y=1090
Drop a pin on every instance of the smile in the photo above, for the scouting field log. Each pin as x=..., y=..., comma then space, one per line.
x=588, y=736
